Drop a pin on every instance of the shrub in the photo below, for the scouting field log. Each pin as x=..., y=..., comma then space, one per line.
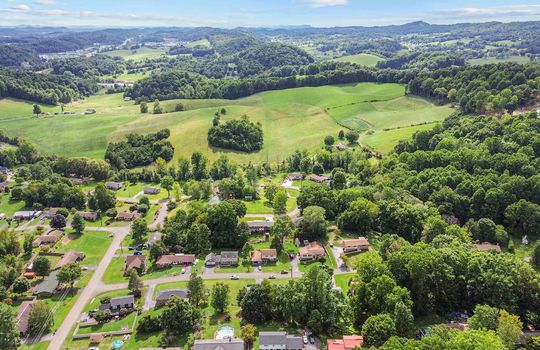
x=240, y=135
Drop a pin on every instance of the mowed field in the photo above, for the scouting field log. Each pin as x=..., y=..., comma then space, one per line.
x=489, y=60
x=363, y=59
x=291, y=119
x=138, y=54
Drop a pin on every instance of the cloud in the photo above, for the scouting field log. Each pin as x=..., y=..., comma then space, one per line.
x=325, y=3
x=20, y=8
x=500, y=11
x=55, y=12
x=45, y=2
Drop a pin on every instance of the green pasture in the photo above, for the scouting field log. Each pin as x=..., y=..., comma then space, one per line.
x=363, y=59
x=291, y=119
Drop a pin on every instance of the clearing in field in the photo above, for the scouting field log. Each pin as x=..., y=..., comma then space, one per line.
x=291, y=119
x=139, y=54
x=489, y=60
x=363, y=59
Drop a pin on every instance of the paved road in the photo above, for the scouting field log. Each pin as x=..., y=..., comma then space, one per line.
x=89, y=291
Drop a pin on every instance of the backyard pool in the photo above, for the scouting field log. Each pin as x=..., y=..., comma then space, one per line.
x=225, y=332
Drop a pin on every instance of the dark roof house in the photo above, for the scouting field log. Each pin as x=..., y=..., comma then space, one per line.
x=256, y=226
x=151, y=190
x=23, y=315
x=47, y=287
x=178, y=259
x=280, y=340
x=165, y=295
x=137, y=262
x=113, y=185
x=218, y=344
x=70, y=257
x=126, y=302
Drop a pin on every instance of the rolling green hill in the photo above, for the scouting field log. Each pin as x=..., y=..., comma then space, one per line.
x=363, y=59
x=291, y=119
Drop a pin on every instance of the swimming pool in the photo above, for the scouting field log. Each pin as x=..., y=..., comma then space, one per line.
x=224, y=332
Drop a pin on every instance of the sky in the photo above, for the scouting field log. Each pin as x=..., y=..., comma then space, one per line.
x=260, y=13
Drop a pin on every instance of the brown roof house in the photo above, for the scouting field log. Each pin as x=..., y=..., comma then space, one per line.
x=319, y=179
x=151, y=190
x=311, y=251
x=295, y=176
x=486, y=246
x=137, y=262
x=23, y=315
x=49, y=213
x=177, y=259
x=128, y=215
x=262, y=256
x=355, y=245
x=96, y=338
x=89, y=215
x=48, y=239
x=70, y=257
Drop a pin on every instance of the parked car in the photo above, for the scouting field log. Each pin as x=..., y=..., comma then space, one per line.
x=284, y=272
x=183, y=270
x=304, y=338
x=137, y=252
x=259, y=268
x=311, y=339
x=272, y=277
x=331, y=244
x=235, y=277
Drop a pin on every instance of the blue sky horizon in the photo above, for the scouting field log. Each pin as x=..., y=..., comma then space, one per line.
x=260, y=13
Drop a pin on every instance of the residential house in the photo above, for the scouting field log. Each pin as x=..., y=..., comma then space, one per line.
x=295, y=176
x=137, y=262
x=279, y=340
x=486, y=246
x=89, y=215
x=458, y=325
x=76, y=181
x=25, y=215
x=70, y=257
x=128, y=215
x=23, y=315
x=355, y=245
x=48, y=239
x=218, y=344
x=176, y=259
x=260, y=226
x=319, y=178
x=96, y=338
x=165, y=295
x=4, y=186
x=311, y=251
x=263, y=256
x=151, y=190
x=340, y=146
x=47, y=287
x=348, y=342
x=116, y=304
x=49, y=213
x=113, y=185
x=223, y=259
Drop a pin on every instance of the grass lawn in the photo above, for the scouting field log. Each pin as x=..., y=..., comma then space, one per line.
x=263, y=206
x=8, y=206
x=114, y=273
x=139, y=54
x=92, y=243
x=363, y=59
x=342, y=281
x=291, y=119
x=385, y=140
x=43, y=345
x=488, y=60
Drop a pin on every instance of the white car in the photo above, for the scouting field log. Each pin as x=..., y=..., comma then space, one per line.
x=235, y=277
x=183, y=270
x=259, y=268
x=304, y=339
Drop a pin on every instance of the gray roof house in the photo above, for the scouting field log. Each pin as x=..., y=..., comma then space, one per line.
x=279, y=340
x=151, y=190
x=48, y=286
x=165, y=295
x=223, y=259
x=218, y=344
x=113, y=185
x=126, y=302
x=256, y=226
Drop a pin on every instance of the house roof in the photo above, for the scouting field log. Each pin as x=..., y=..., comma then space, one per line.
x=24, y=213
x=128, y=215
x=256, y=256
x=166, y=294
x=96, y=337
x=113, y=184
x=121, y=301
x=360, y=241
x=23, y=314
x=70, y=257
x=335, y=344
x=216, y=258
x=151, y=189
x=486, y=246
x=353, y=341
x=229, y=256
x=295, y=176
x=134, y=262
x=218, y=344
x=259, y=224
x=88, y=214
x=313, y=248
x=319, y=178
x=48, y=285
x=175, y=259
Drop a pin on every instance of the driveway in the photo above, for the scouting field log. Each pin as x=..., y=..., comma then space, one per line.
x=341, y=267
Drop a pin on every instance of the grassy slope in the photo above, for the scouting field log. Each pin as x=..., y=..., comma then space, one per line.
x=139, y=54
x=291, y=119
x=363, y=59
x=488, y=60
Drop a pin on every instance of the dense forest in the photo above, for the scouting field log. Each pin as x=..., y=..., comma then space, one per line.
x=90, y=67
x=44, y=88
x=237, y=134
x=139, y=150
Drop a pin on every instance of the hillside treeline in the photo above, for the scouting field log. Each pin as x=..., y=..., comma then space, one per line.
x=44, y=88
x=90, y=67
